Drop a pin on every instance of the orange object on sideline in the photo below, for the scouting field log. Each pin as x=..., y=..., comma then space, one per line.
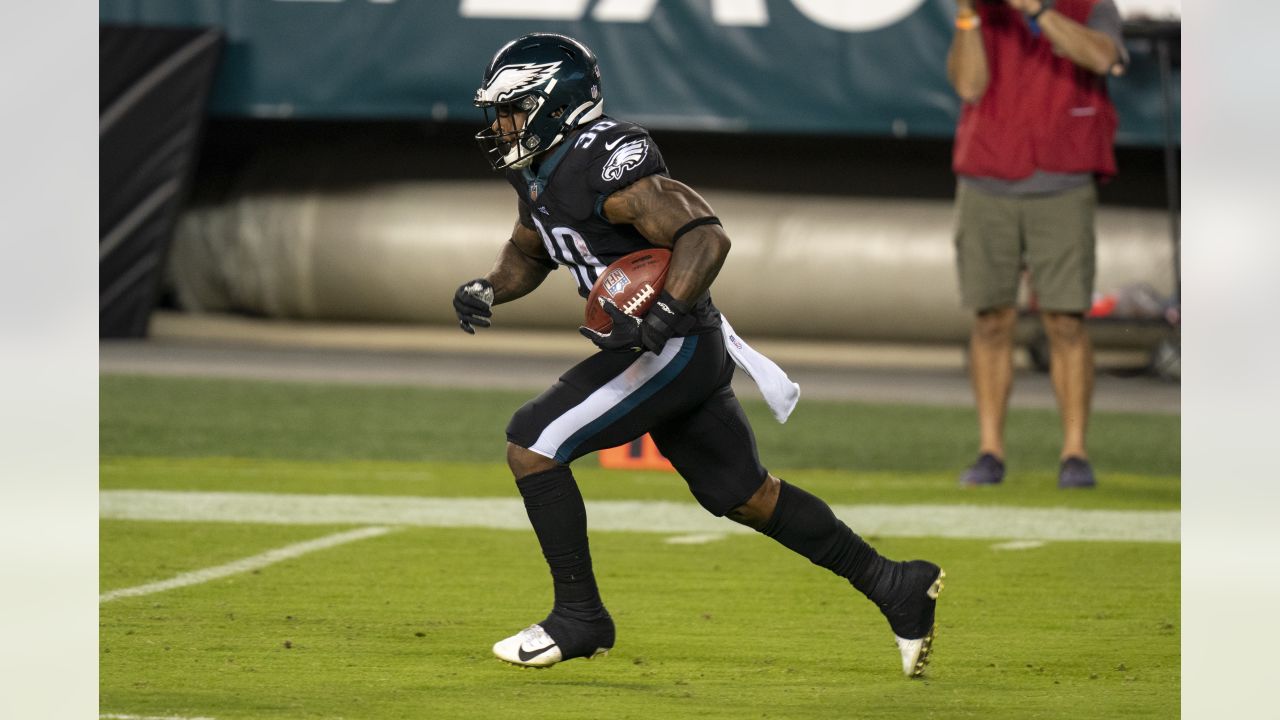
x=639, y=454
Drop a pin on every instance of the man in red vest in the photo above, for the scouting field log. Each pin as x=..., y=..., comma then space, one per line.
x=1035, y=133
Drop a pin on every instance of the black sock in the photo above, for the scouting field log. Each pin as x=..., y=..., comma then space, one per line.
x=805, y=524
x=559, y=519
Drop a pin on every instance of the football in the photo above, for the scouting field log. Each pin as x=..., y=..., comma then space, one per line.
x=633, y=283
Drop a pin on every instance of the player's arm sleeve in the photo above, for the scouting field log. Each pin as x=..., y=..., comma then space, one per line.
x=622, y=160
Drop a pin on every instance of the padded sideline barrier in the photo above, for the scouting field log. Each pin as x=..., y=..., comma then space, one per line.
x=800, y=266
x=153, y=85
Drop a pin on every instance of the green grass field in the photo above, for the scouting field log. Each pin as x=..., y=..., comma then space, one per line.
x=399, y=625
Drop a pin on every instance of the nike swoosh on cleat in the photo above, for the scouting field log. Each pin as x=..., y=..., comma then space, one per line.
x=527, y=656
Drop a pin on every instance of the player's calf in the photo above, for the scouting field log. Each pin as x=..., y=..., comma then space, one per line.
x=755, y=512
x=906, y=592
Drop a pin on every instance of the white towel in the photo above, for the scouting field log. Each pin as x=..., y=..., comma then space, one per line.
x=779, y=392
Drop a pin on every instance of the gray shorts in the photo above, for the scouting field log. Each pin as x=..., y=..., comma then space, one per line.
x=1051, y=235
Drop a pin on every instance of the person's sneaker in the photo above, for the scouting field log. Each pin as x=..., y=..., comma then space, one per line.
x=910, y=611
x=988, y=470
x=534, y=647
x=1076, y=472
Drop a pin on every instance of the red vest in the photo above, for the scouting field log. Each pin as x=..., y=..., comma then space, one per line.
x=1039, y=111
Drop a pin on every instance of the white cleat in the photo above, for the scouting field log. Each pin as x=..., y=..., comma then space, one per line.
x=531, y=647
x=915, y=653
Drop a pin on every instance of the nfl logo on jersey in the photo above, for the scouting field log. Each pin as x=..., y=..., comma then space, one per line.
x=615, y=282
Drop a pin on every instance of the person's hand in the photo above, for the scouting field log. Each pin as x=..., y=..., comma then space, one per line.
x=630, y=334
x=472, y=303
x=624, y=336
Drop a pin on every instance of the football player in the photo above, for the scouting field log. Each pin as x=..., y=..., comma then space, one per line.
x=589, y=189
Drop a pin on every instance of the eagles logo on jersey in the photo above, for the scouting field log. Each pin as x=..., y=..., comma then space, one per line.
x=626, y=157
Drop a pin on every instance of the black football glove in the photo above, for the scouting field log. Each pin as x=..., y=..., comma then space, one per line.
x=472, y=302
x=629, y=334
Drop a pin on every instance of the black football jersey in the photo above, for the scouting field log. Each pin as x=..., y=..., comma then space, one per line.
x=562, y=197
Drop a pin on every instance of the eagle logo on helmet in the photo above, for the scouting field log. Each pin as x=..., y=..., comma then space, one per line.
x=512, y=81
x=625, y=158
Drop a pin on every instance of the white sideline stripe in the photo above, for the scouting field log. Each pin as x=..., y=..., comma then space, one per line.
x=669, y=518
x=244, y=565
x=699, y=539
x=1018, y=545
x=117, y=716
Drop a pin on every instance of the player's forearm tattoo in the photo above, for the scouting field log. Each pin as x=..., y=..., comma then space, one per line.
x=659, y=206
x=515, y=275
x=518, y=270
x=696, y=261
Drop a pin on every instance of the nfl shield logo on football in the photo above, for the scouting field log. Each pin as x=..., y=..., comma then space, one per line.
x=615, y=282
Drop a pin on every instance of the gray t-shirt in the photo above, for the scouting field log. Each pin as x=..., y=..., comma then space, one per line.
x=1105, y=18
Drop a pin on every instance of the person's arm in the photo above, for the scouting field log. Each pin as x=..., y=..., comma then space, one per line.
x=659, y=207
x=1092, y=50
x=967, y=59
x=667, y=213
x=521, y=266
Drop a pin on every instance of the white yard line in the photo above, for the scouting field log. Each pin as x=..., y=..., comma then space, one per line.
x=1018, y=545
x=698, y=539
x=118, y=716
x=244, y=565
x=671, y=518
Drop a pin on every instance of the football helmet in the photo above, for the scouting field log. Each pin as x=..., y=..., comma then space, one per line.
x=553, y=80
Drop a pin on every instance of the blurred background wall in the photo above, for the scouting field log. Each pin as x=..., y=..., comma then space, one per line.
x=337, y=178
